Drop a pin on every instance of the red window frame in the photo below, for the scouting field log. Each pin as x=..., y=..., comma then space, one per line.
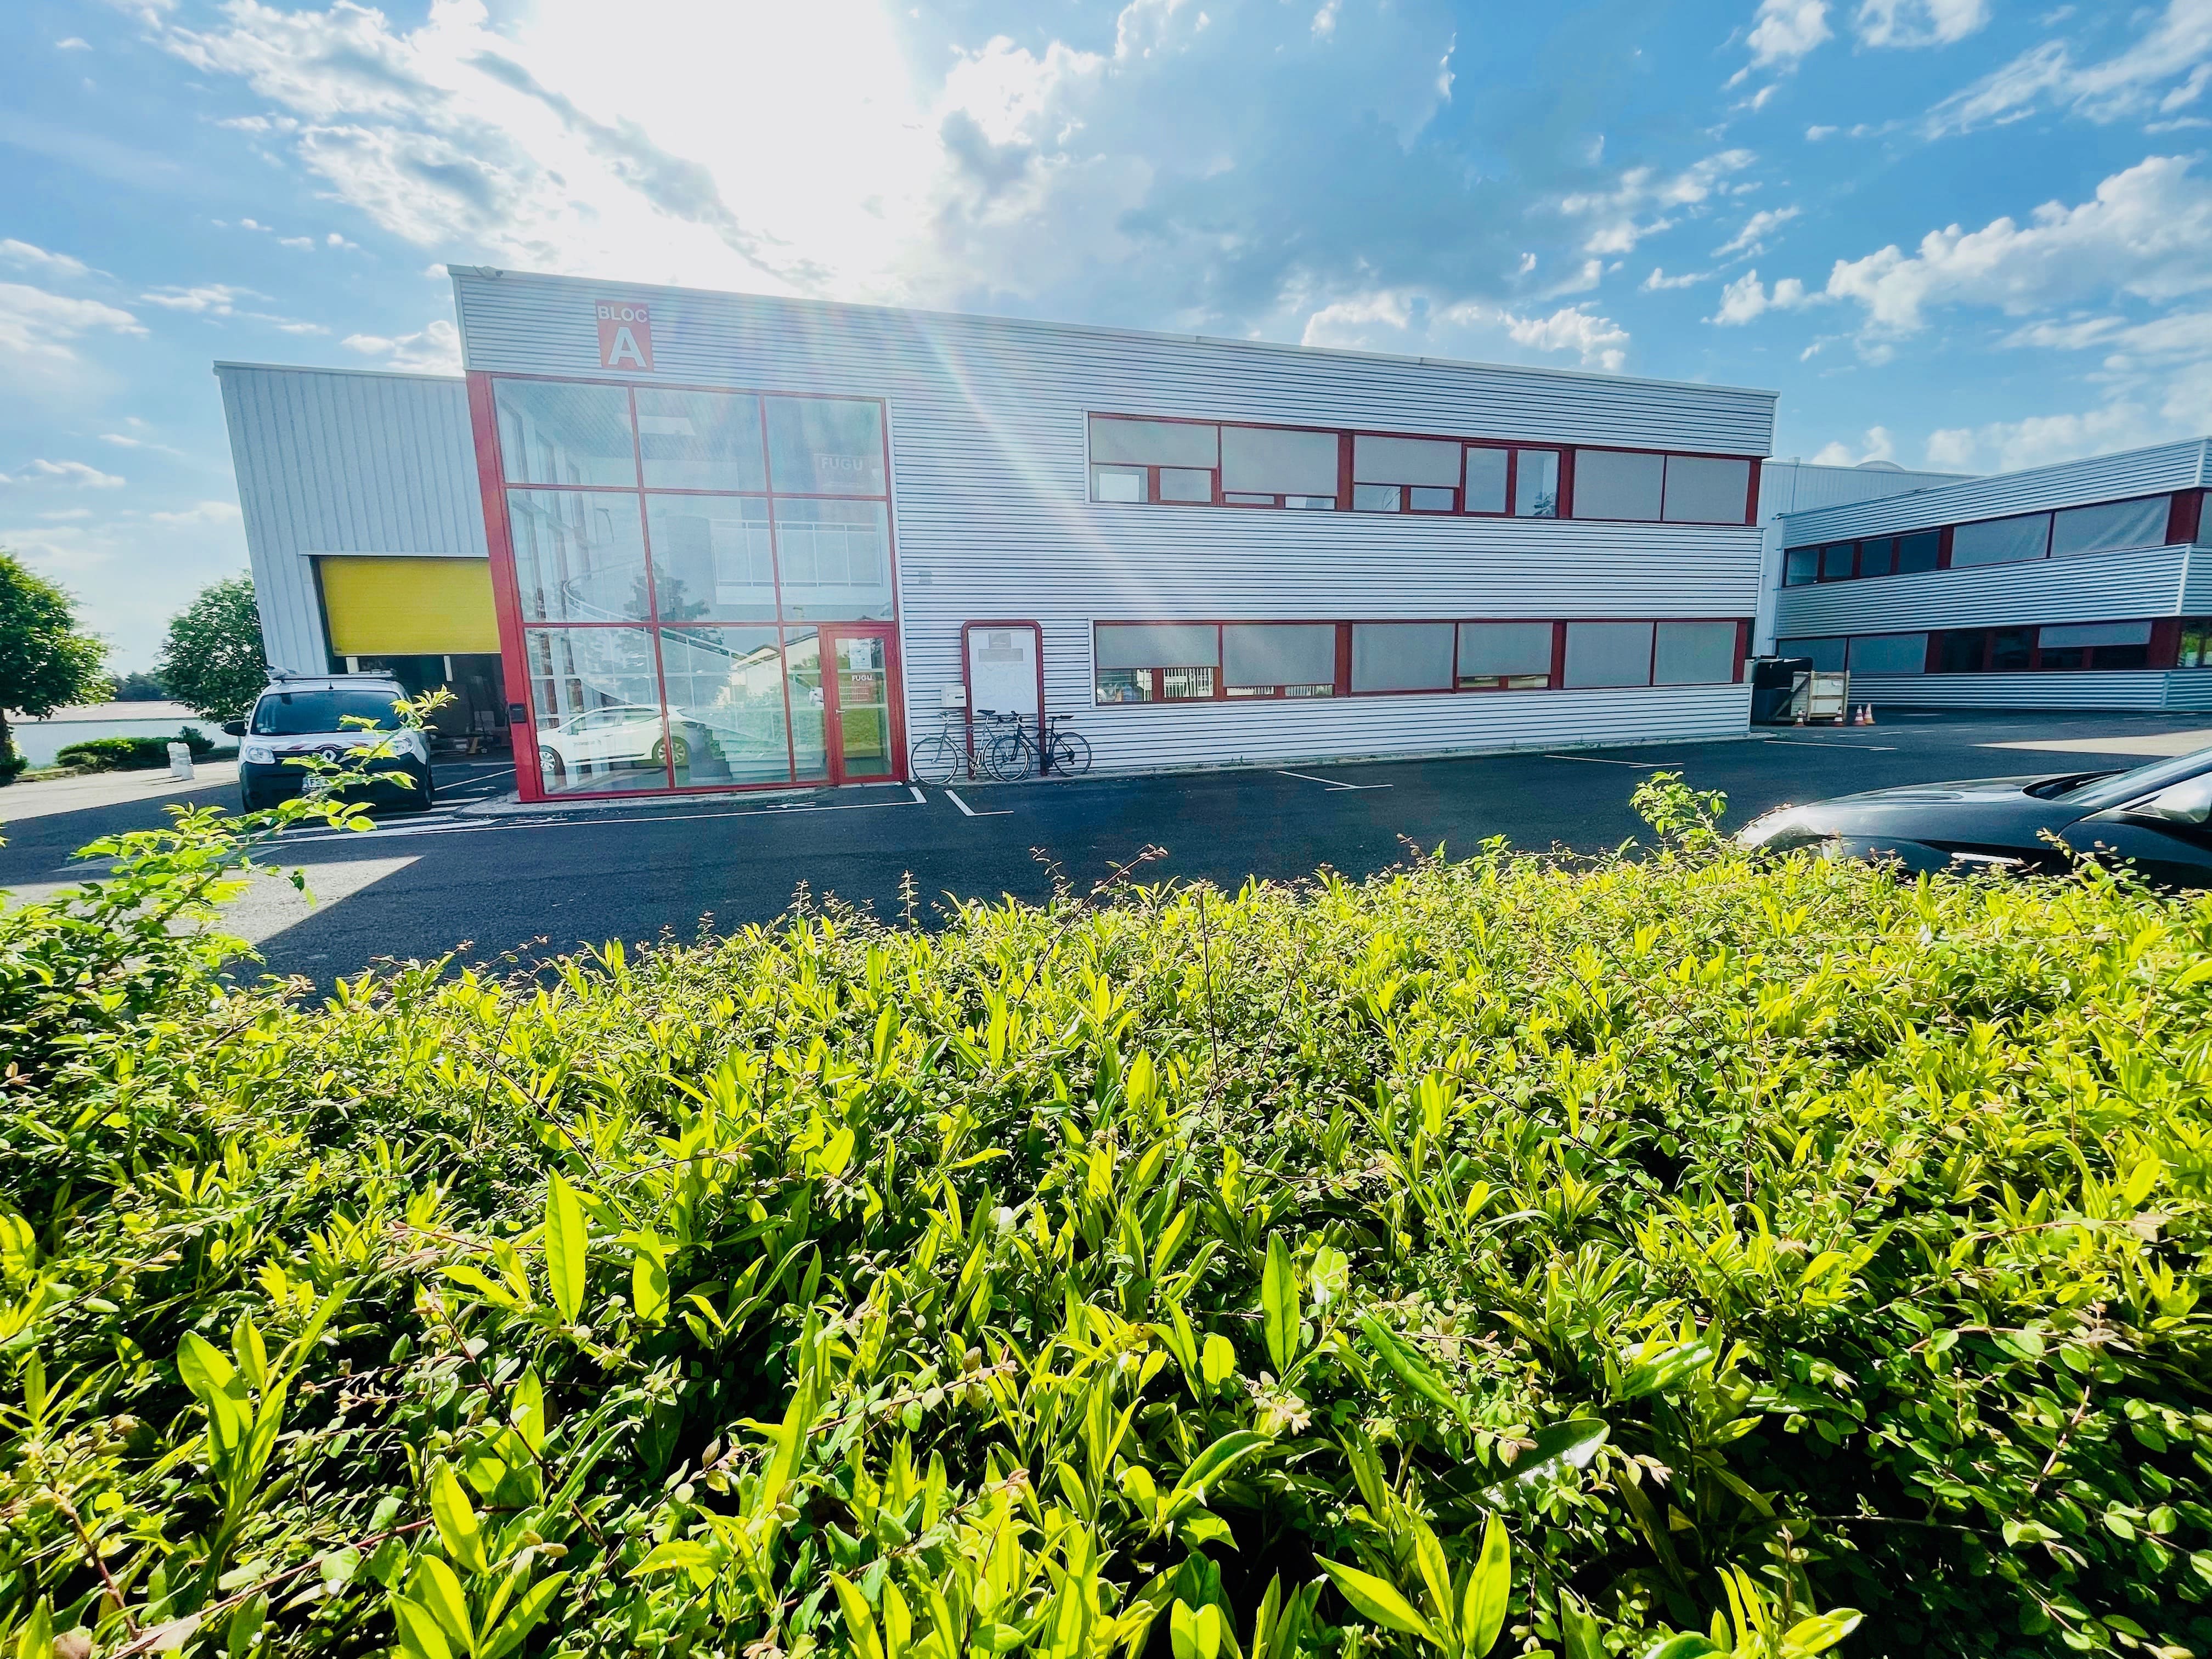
x=1564, y=449
x=1342, y=686
x=513, y=629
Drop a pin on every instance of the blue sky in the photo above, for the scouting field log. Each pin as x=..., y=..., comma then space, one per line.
x=1972, y=234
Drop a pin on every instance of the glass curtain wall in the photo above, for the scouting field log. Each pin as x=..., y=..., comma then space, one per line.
x=676, y=555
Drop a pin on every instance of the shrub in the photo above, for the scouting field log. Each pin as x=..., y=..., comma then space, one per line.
x=1647, y=1256
x=131, y=754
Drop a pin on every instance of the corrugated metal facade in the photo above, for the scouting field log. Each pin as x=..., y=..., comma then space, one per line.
x=338, y=462
x=2138, y=688
x=2095, y=587
x=992, y=519
x=1801, y=486
x=2071, y=483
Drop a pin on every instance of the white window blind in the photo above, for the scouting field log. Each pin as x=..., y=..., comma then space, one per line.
x=1278, y=653
x=2001, y=541
x=1158, y=645
x=1694, y=653
x=1401, y=656
x=1153, y=443
x=1704, y=490
x=2109, y=526
x=1268, y=461
x=1487, y=649
x=1404, y=461
x=1485, y=480
x=2124, y=633
x=1613, y=483
x=1608, y=653
x=1827, y=654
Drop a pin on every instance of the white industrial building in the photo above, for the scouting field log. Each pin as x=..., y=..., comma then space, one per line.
x=1794, y=486
x=732, y=541
x=2086, y=585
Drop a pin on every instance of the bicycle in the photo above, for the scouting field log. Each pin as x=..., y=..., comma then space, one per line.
x=1012, y=749
x=943, y=757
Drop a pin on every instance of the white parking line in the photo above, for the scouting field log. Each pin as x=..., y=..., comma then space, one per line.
x=1823, y=743
x=1600, y=759
x=991, y=812
x=1330, y=783
x=915, y=798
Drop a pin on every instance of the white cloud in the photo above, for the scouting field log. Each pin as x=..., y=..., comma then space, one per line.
x=2043, y=439
x=1614, y=216
x=1815, y=134
x=1783, y=32
x=77, y=473
x=308, y=242
x=1747, y=298
x=2144, y=233
x=1919, y=22
x=1751, y=238
x=24, y=255
x=1659, y=282
x=74, y=43
x=2178, y=47
x=210, y=299
x=1397, y=321
x=36, y=327
x=1877, y=446
x=204, y=513
x=434, y=349
x=126, y=441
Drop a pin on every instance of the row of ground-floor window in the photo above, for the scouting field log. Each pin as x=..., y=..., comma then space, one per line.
x=2162, y=642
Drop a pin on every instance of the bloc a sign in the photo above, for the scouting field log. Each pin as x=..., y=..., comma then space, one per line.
x=625, y=335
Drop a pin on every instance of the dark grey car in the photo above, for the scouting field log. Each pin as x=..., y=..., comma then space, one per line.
x=2158, y=817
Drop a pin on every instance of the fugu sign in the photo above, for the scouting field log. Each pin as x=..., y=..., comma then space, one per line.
x=625, y=335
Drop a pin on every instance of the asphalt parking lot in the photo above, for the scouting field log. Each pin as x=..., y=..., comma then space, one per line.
x=489, y=883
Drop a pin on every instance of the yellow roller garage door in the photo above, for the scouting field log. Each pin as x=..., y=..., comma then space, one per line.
x=408, y=607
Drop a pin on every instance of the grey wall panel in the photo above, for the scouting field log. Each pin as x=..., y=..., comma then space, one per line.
x=2099, y=478
x=2197, y=583
x=2095, y=588
x=994, y=522
x=337, y=461
x=1800, y=486
x=2137, y=689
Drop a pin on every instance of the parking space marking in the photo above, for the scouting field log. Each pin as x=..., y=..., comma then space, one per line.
x=1330, y=783
x=475, y=826
x=988, y=813
x=1600, y=760
x=1825, y=743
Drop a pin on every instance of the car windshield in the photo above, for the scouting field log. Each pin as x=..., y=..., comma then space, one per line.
x=301, y=713
x=2111, y=789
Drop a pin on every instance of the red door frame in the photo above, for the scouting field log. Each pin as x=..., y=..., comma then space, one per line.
x=833, y=731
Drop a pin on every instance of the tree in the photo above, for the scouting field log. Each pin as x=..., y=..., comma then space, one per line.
x=213, y=663
x=46, y=664
x=139, y=686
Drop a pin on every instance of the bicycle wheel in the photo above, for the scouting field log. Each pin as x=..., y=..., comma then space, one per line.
x=936, y=760
x=1071, y=753
x=1008, y=757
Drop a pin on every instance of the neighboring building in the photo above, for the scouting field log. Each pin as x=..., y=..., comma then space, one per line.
x=744, y=541
x=39, y=741
x=1210, y=552
x=1801, y=486
x=2082, y=585
x=365, y=527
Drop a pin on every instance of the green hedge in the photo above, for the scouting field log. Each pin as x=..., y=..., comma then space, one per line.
x=1639, y=1257
x=131, y=754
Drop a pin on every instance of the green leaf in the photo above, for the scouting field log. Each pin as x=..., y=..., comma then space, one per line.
x=456, y=1518
x=1376, y=1600
x=527, y=1411
x=522, y=1617
x=421, y=1637
x=648, y=1288
x=1558, y=1447
x=1487, y=1589
x=1436, y=1577
x=567, y=1247
x=1194, y=1633
x=677, y=1555
x=1216, y=1361
x=37, y=1641
x=435, y=1588
x=860, y=1621
x=1688, y=1645
x=1412, y=1368
x=1279, y=1304
x=1212, y=1466
x=1663, y=1371
x=1820, y=1632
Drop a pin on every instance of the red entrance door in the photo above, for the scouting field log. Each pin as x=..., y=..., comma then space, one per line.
x=860, y=704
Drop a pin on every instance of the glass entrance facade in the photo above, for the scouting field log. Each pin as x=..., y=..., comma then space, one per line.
x=678, y=558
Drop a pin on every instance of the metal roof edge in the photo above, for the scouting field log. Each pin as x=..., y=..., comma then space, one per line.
x=2023, y=474
x=222, y=364
x=494, y=273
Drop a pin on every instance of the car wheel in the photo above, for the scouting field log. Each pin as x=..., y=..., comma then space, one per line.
x=673, y=746
x=549, y=764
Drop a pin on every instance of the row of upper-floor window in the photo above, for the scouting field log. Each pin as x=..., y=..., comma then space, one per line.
x=1226, y=661
x=2102, y=527
x=589, y=434
x=2014, y=649
x=1220, y=463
